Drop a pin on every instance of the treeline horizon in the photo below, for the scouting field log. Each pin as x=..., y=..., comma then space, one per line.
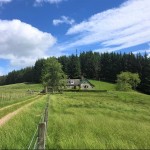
x=91, y=65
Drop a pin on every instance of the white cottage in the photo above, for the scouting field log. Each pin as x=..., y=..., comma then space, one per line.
x=79, y=83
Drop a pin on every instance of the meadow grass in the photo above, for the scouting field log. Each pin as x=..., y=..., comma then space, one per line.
x=6, y=110
x=112, y=120
x=17, y=132
x=100, y=85
x=21, y=86
x=105, y=120
x=14, y=93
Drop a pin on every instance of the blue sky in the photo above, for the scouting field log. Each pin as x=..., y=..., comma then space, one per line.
x=33, y=29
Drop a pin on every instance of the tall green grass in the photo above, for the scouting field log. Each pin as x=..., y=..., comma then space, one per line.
x=109, y=120
x=100, y=85
x=17, y=133
x=10, y=94
x=112, y=120
x=21, y=86
x=6, y=110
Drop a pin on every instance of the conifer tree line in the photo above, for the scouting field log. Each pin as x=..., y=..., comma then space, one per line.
x=99, y=66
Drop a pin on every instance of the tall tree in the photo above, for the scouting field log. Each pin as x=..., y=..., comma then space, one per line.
x=64, y=60
x=74, y=70
x=52, y=74
x=145, y=75
x=90, y=64
x=39, y=64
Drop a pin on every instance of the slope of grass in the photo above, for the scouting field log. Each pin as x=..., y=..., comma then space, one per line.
x=6, y=110
x=18, y=132
x=14, y=93
x=109, y=120
x=112, y=120
x=21, y=86
x=100, y=85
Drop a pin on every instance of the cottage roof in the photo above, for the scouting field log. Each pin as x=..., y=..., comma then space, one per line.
x=86, y=81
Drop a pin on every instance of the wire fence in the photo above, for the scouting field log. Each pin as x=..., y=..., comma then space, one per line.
x=38, y=140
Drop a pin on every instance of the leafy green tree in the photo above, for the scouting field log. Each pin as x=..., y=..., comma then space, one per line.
x=127, y=80
x=52, y=75
x=134, y=80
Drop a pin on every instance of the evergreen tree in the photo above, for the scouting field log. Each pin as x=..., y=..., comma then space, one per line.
x=64, y=60
x=74, y=70
x=145, y=75
x=90, y=64
x=37, y=70
x=104, y=66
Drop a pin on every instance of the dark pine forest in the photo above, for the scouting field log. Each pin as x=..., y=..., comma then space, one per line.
x=104, y=67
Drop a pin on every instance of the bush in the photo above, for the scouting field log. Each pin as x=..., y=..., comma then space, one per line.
x=123, y=86
x=127, y=81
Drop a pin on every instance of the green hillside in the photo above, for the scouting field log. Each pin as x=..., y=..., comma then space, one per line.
x=109, y=120
x=89, y=120
x=20, y=86
x=100, y=85
x=10, y=94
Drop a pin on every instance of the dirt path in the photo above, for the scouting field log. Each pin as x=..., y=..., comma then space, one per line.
x=6, y=118
x=17, y=103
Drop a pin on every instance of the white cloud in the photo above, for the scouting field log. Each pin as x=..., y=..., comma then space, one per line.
x=40, y=2
x=4, y=2
x=123, y=27
x=63, y=19
x=142, y=51
x=22, y=43
x=147, y=51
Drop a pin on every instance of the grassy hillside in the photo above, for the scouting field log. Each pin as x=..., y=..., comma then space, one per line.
x=10, y=94
x=18, y=132
x=105, y=120
x=20, y=86
x=100, y=85
x=111, y=120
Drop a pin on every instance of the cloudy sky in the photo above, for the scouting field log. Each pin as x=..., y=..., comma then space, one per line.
x=33, y=29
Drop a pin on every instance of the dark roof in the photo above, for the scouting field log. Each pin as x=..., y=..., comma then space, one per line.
x=87, y=81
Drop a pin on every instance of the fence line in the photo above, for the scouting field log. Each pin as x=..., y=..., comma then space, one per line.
x=33, y=138
x=41, y=130
x=35, y=144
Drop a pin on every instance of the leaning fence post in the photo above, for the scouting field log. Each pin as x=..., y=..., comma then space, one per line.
x=41, y=135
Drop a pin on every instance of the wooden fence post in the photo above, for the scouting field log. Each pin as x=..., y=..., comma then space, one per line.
x=46, y=116
x=41, y=135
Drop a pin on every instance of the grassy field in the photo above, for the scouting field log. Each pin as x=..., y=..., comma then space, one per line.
x=103, y=120
x=100, y=85
x=14, y=93
x=111, y=120
x=18, y=132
